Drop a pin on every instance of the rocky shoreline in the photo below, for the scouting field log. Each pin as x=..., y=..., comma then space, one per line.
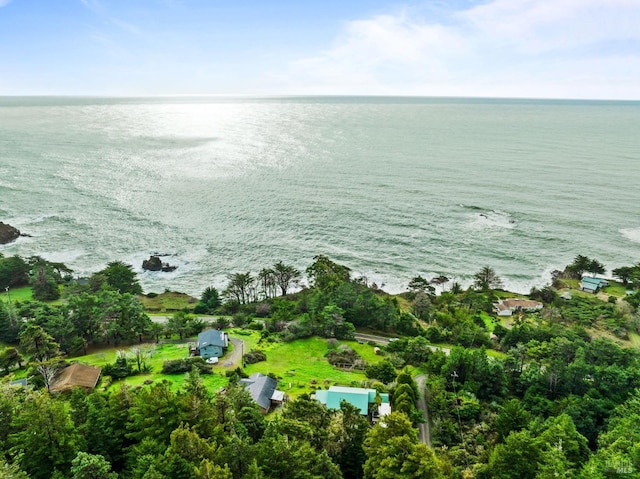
x=8, y=233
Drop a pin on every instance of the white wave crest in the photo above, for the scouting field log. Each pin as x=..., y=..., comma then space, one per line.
x=632, y=234
x=492, y=219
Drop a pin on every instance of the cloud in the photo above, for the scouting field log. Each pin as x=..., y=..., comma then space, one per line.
x=539, y=48
x=4, y=3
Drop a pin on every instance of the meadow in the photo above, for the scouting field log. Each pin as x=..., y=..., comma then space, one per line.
x=300, y=366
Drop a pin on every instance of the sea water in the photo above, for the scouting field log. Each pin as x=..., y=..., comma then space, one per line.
x=390, y=187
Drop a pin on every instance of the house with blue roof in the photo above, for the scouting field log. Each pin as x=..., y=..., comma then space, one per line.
x=593, y=285
x=358, y=397
x=212, y=343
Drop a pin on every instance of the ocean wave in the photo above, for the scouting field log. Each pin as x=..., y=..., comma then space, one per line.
x=632, y=234
x=492, y=219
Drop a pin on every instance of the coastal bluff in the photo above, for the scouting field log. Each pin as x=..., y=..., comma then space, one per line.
x=8, y=233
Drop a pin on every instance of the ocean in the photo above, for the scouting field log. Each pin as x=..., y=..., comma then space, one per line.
x=390, y=187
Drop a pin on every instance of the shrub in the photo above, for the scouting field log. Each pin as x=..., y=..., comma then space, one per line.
x=345, y=357
x=152, y=295
x=121, y=368
x=177, y=366
x=255, y=356
x=255, y=326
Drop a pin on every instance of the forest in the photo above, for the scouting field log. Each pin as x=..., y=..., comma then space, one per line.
x=539, y=394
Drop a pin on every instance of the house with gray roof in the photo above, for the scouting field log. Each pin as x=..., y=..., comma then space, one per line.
x=212, y=343
x=263, y=391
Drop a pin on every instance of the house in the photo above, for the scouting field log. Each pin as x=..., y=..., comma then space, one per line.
x=263, y=391
x=507, y=307
x=358, y=397
x=76, y=375
x=592, y=285
x=212, y=343
x=20, y=383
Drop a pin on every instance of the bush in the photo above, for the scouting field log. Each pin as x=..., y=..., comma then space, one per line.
x=345, y=357
x=177, y=366
x=121, y=368
x=152, y=295
x=255, y=326
x=255, y=356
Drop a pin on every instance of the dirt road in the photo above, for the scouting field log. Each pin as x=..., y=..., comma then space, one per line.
x=424, y=428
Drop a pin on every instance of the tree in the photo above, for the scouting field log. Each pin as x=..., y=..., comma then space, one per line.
x=9, y=358
x=239, y=287
x=383, y=371
x=43, y=281
x=37, y=343
x=512, y=417
x=518, y=457
x=487, y=279
x=46, y=439
x=48, y=370
x=346, y=433
x=91, y=466
x=11, y=471
x=393, y=452
x=14, y=271
x=623, y=273
x=121, y=277
x=84, y=311
x=285, y=276
x=326, y=275
x=211, y=298
x=420, y=285
x=595, y=267
x=10, y=326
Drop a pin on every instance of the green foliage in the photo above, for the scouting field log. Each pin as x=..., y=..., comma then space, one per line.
x=393, y=452
x=486, y=279
x=121, y=368
x=383, y=371
x=44, y=278
x=326, y=275
x=14, y=271
x=121, y=278
x=185, y=365
x=11, y=471
x=45, y=439
x=254, y=356
x=90, y=466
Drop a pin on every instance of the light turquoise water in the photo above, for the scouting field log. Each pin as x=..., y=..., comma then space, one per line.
x=390, y=187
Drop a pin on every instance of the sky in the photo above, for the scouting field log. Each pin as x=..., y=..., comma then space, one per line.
x=471, y=48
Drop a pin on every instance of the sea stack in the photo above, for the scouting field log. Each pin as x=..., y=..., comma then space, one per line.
x=154, y=263
x=8, y=233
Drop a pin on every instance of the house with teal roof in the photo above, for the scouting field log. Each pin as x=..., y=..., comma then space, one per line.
x=358, y=397
x=593, y=285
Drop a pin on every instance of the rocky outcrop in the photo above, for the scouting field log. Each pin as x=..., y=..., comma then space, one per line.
x=154, y=263
x=8, y=233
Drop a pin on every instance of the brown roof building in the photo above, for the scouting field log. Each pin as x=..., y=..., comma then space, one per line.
x=76, y=375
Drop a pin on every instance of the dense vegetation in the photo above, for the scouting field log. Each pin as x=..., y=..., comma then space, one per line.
x=545, y=394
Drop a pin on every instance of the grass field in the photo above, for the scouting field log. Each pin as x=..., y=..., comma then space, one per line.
x=24, y=293
x=157, y=355
x=301, y=366
x=615, y=289
x=169, y=301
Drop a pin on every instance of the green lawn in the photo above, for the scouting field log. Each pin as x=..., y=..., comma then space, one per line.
x=615, y=289
x=158, y=354
x=301, y=366
x=23, y=293
x=169, y=301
